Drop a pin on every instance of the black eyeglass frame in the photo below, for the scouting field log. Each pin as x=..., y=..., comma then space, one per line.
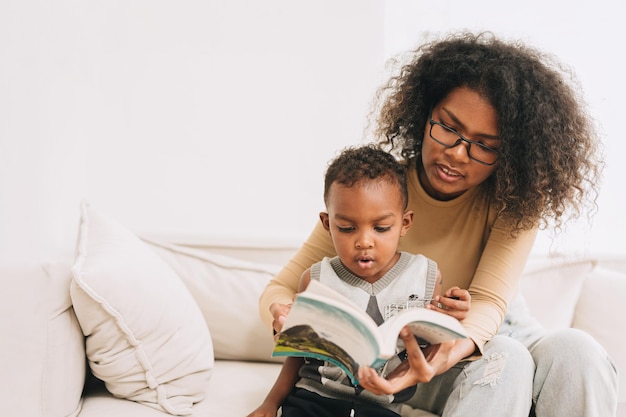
x=459, y=140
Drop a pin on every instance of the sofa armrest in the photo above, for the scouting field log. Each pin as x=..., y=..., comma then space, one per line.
x=43, y=353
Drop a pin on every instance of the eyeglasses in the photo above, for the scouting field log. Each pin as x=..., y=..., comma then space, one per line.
x=448, y=137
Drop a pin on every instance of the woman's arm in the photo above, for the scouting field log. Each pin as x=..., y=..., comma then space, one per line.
x=496, y=281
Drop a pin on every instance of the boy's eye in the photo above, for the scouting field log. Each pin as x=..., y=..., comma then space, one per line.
x=382, y=229
x=345, y=229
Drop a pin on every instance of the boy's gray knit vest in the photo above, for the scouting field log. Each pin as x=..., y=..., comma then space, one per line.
x=413, y=276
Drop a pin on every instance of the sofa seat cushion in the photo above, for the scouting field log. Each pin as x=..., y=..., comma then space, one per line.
x=235, y=389
x=239, y=387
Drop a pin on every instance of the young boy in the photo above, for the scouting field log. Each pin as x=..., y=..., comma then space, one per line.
x=366, y=199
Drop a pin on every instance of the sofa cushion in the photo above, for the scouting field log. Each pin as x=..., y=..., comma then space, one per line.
x=145, y=336
x=551, y=287
x=599, y=311
x=227, y=290
x=43, y=355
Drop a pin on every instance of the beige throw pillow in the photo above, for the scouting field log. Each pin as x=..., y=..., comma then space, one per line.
x=145, y=335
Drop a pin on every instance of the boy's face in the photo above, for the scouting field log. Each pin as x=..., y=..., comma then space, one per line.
x=365, y=223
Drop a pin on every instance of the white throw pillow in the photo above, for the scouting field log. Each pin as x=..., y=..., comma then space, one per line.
x=145, y=335
x=227, y=290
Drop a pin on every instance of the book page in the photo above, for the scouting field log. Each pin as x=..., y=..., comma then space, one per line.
x=431, y=326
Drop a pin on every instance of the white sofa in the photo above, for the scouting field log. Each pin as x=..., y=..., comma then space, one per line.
x=44, y=354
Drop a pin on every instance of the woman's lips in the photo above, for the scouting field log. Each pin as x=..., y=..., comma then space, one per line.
x=448, y=174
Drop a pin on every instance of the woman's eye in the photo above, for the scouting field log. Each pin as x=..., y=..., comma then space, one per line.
x=450, y=128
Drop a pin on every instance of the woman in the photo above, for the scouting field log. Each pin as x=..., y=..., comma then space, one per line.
x=498, y=145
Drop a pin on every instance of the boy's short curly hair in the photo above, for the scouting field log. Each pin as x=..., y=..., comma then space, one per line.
x=365, y=163
x=550, y=159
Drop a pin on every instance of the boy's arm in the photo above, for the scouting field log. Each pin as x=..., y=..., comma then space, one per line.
x=282, y=387
x=288, y=374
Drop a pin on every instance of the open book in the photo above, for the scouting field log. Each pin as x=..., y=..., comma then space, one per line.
x=324, y=324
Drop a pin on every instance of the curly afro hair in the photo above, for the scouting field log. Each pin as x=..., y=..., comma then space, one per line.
x=355, y=165
x=550, y=161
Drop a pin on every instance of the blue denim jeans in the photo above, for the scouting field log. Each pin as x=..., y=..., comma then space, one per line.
x=527, y=371
x=574, y=375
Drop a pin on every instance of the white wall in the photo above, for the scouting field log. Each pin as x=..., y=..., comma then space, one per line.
x=194, y=117
x=218, y=117
x=586, y=35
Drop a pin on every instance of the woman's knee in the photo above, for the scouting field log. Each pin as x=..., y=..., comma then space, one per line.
x=508, y=358
x=567, y=345
x=509, y=346
x=574, y=355
x=555, y=353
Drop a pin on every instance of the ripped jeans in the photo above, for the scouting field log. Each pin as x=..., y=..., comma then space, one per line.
x=527, y=371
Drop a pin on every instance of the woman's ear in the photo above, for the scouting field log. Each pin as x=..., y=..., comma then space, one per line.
x=325, y=220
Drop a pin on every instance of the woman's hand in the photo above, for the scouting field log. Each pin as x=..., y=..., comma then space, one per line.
x=420, y=366
x=455, y=302
x=279, y=313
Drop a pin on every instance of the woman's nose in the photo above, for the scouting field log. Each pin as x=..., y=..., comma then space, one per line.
x=459, y=152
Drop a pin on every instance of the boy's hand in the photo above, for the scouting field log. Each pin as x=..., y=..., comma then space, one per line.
x=455, y=302
x=279, y=313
